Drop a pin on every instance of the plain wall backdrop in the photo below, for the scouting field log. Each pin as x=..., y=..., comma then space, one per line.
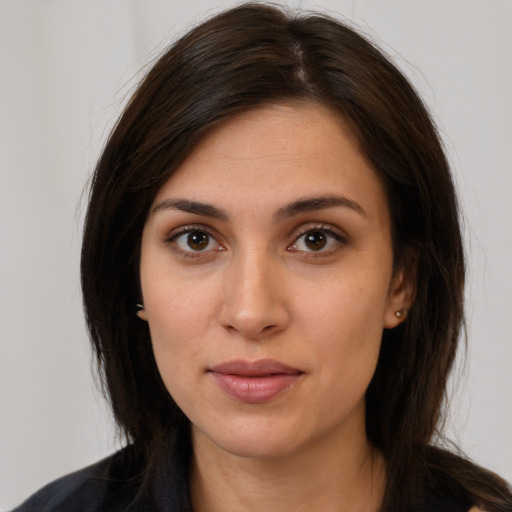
x=66, y=68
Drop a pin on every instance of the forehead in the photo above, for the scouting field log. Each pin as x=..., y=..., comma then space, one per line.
x=274, y=154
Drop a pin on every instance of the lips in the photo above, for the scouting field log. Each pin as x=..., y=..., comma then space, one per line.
x=254, y=381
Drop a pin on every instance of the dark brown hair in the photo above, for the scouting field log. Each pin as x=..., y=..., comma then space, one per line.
x=246, y=57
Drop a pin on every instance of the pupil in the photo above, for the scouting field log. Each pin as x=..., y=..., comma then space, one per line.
x=197, y=240
x=316, y=240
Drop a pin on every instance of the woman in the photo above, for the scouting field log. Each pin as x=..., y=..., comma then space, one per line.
x=273, y=272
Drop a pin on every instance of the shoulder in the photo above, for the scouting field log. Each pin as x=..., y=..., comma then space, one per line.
x=102, y=486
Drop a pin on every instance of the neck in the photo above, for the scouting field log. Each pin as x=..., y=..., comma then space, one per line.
x=323, y=477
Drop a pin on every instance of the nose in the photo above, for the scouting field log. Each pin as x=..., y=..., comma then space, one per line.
x=254, y=298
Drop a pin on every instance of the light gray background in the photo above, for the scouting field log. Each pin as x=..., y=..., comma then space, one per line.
x=66, y=68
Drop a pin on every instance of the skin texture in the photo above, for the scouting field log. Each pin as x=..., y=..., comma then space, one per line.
x=255, y=289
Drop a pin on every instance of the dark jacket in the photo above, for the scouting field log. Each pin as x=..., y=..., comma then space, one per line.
x=117, y=484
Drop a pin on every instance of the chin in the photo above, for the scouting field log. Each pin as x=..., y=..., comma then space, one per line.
x=261, y=449
x=264, y=440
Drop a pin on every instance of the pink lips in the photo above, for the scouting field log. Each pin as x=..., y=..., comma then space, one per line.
x=254, y=381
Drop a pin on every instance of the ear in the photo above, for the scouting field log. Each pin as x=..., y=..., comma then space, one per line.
x=402, y=293
x=141, y=312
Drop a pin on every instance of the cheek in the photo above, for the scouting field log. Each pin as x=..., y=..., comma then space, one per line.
x=345, y=324
x=351, y=304
x=179, y=305
x=180, y=315
x=177, y=324
x=173, y=353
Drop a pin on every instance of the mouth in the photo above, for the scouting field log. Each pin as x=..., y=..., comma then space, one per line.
x=254, y=382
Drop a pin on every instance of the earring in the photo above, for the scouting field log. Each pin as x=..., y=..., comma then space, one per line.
x=400, y=313
x=139, y=307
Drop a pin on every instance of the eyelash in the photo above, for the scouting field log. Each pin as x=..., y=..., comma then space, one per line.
x=172, y=241
x=323, y=229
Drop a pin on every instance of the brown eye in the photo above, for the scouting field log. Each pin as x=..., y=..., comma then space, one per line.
x=315, y=240
x=198, y=240
x=194, y=241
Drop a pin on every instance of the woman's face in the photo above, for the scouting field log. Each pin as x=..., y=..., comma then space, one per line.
x=267, y=280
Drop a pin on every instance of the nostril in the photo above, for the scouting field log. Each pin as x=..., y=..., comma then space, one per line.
x=252, y=332
x=252, y=311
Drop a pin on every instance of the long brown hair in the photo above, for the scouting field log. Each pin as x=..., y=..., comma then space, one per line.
x=248, y=56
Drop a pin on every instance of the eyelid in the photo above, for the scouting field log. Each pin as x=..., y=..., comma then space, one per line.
x=329, y=229
x=332, y=231
x=175, y=232
x=171, y=237
x=320, y=226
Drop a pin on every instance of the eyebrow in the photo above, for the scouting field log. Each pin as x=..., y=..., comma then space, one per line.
x=184, y=205
x=307, y=204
